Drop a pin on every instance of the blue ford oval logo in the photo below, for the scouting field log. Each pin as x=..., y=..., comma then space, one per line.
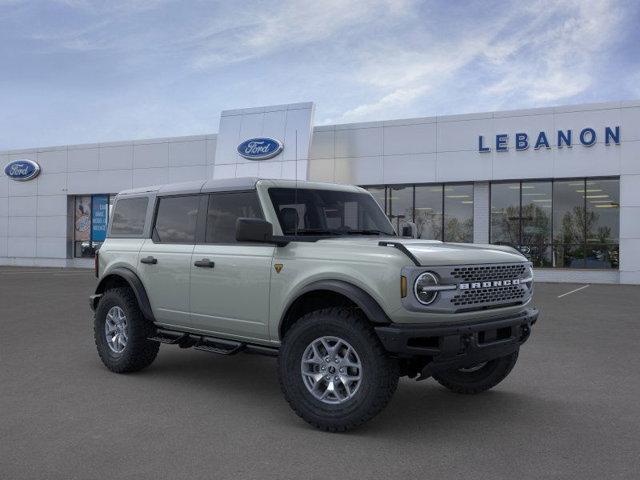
x=22, y=170
x=260, y=148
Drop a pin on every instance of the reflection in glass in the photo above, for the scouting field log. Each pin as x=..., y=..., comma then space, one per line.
x=458, y=213
x=603, y=223
x=536, y=222
x=378, y=194
x=400, y=202
x=428, y=212
x=568, y=256
x=505, y=214
x=569, y=223
x=603, y=211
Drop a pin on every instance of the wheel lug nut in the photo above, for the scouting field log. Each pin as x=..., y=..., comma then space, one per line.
x=337, y=360
x=327, y=359
x=341, y=369
x=323, y=367
x=336, y=378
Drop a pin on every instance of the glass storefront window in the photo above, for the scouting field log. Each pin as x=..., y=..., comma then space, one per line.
x=603, y=223
x=564, y=223
x=505, y=214
x=91, y=217
x=440, y=212
x=535, y=242
x=458, y=213
x=568, y=223
x=428, y=211
x=400, y=206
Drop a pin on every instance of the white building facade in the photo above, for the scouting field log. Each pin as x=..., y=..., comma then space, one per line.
x=561, y=184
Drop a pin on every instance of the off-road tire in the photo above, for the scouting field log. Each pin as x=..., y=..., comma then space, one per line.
x=139, y=352
x=487, y=377
x=379, y=372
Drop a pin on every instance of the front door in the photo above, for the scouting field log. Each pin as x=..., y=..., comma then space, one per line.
x=230, y=280
x=164, y=263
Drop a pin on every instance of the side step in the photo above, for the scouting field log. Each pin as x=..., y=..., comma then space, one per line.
x=220, y=346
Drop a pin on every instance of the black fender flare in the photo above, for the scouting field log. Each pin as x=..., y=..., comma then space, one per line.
x=136, y=285
x=362, y=299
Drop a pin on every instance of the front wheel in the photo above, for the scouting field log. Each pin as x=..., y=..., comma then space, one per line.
x=478, y=378
x=121, y=332
x=333, y=370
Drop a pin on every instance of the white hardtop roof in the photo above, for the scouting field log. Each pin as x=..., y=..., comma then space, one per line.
x=230, y=184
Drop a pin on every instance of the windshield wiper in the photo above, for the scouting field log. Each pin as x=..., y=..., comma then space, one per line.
x=313, y=232
x=320, y=232
x=367, y=232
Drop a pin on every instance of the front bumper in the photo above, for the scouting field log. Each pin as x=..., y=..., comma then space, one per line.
x=449, y=346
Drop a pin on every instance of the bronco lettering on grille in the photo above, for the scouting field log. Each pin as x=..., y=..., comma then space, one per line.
x=489, y=284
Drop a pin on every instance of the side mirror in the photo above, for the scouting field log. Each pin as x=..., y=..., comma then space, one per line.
x=254, y=230
x=410, y=230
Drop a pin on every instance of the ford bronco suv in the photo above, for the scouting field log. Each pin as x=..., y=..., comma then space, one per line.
x=314, y=274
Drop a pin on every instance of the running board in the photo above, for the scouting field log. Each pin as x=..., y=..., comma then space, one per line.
x=205, y=343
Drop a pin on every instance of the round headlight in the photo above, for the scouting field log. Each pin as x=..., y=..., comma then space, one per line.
x=529, y=276
x=422, y=290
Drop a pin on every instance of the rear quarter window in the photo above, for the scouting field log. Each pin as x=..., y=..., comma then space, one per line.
x=129, y=216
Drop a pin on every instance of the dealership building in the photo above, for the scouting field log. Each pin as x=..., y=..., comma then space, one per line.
x=561, y=184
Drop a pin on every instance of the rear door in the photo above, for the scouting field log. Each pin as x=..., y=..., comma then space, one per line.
x=230, y=280
x=164, y=263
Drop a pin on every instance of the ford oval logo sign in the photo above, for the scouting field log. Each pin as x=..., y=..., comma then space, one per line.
x=22, y=170
x=260, y=148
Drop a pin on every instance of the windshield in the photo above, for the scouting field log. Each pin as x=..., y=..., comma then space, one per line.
x=328, y=212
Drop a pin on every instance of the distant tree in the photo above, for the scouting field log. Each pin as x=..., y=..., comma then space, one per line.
x=457, y=231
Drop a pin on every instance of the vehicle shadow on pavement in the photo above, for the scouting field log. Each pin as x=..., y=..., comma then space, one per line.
x=253, y=381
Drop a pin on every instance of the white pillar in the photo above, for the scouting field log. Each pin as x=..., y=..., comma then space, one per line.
x=629, y=229
x=481, y=212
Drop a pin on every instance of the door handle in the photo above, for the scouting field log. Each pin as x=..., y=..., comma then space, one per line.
x=149, y=260
x=204, y=263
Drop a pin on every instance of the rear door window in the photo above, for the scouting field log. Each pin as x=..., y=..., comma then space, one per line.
x=176, y=219
x=128, y=216
x=224, y=209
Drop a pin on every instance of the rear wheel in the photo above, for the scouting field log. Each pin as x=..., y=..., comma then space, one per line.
x=333, y=370
x=477, y=378
x=121, y=332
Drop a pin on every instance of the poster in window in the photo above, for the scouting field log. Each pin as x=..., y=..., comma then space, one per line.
x=99, y=217
x=82, y=229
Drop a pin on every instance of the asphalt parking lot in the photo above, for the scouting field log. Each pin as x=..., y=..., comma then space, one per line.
x=570, y=408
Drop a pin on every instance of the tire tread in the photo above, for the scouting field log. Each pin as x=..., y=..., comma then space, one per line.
x=141, y=352
x=387, y=376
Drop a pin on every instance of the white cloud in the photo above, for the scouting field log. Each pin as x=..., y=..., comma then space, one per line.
x=289, y=24
x=544, y=52
x=554, y=63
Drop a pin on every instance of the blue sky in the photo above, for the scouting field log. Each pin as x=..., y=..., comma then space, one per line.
x=76, y=71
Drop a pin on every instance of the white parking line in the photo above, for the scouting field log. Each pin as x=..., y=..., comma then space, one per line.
x=573, y=291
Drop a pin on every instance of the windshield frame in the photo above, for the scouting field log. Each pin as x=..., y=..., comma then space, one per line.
x=380, y=225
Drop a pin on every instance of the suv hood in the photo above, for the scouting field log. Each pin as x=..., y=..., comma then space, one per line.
x=433, y=252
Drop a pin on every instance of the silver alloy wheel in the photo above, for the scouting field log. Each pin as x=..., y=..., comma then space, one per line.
x=116, y=330
x=331, y=370
x=473, y=368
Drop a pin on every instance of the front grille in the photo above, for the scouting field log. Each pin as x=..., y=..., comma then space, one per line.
x=482, y=273
x=491, y=295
